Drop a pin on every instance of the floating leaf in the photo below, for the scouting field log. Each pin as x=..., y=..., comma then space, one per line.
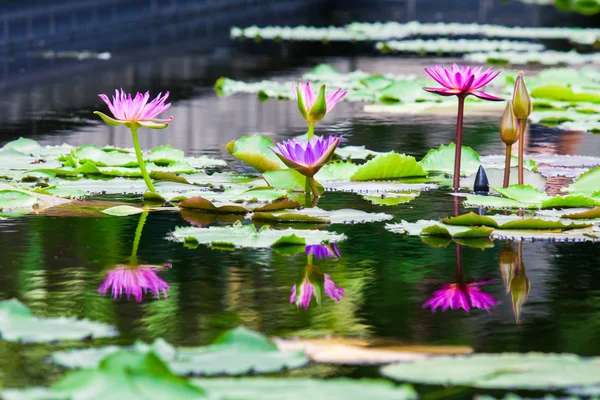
x=442, y=160
x=496, y=178
x=17, y=323
x=235, y=352
x=587, y=183
x=317, y=215
x=391, y=199
x=356, y=153
x=507, y=370
x=16, y=199
x=523, y=193
x=288, y=179
x=254, y=150
x=390, y=166
x=301, y=389
x=165, y=155
x=240, y=235
x=95, y=155
x=340, y=171
x=122, y=211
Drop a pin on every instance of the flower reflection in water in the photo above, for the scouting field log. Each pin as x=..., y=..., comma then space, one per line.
x=518, y=284
x=312, y=282
x=134, y=279
x=461, y=294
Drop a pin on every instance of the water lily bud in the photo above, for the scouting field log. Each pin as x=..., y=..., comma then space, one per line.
x=319, y=108
x=507, y=261
x=519, y=291
x=509, y=125
x=521, y=99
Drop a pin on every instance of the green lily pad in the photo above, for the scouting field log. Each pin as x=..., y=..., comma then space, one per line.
x=17, y=323
x=356, y=153
x=236, y=352
x=391, y=199
x=523, y=193
x=442, y=160
x=300, y=389
x=587, y=183
x=240, y=235
x=288, y=179
x=10, y=199
x=507, y=370
x=339, y=171
x=254, y=150
x=23, y=145
x=390, y=166
x=95, y=155
x=318, y=215
x=563, y=93
x=164, y=155
x=122, y=211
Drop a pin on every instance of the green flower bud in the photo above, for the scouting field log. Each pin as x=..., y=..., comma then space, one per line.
x=509, y=125
x=521, y=99
x=319, y=108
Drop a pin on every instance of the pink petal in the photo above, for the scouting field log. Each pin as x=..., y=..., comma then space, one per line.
x=485, y=96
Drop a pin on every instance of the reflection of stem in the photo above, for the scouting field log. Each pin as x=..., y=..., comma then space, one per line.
x=459, y=277
x=457, y=153
x=456, y=206
x=507, y=165
x=522, y=127
x=140, y=159
x=310, y=259
x=519, y=257
x=138, y=236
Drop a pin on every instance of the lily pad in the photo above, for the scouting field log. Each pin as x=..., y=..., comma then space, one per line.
x=587, y=183
x=240, y=235
x=288, y=179
x=390, y=166
x=17, y=323
x=442, y=160
x=122, y=211
x=301, y=389
x=235, y=352
x=254, y=150
x=318, y=215
x=507, y=370
x=356, y=153
x=10, y=199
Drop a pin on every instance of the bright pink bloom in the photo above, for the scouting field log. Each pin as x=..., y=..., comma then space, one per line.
x=307, y=157
x=461, y=295
x=308, y=98
x=462, y=81
x=129, y=111
x=136, y=280
x=307, y=290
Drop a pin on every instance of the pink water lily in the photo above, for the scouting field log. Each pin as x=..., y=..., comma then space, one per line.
x=461, y=82
x=324, y=250
x=461, y=295
x=314, y=106
x=136, y=280
x=128, y=110
x=307, y=291
x=464, y=81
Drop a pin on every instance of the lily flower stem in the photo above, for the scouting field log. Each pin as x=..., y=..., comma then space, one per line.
x=457, y=154
x=313, y=186
x=507, y=165
x=311, y=130
x=140, y=159
x=522, y=127
x=310, y=259
x=138, y=236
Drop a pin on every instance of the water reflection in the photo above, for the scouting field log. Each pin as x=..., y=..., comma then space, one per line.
x=461, y=294
x=513, y=274
x=134, y=278
x=312, y=282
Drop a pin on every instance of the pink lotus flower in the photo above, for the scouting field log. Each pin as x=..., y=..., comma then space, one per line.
x=324, y=250
x=307, y=290
x=462, y=81
x=461, y=295
x=307, y=157
x=314, y=107
x=136, y=280
x=135, y=111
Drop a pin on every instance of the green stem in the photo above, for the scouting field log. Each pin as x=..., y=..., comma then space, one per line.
x=313, y=186
x=140, y=159
x=138, y=236
x=311, y=130
x=310, y=259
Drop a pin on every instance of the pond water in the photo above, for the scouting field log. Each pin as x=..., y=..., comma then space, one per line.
x=55, y=265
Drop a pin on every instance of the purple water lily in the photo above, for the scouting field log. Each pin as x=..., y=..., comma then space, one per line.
x=314, y=106
x=324, y=250
x=307, y=156
x=461, y=82
x=307, y=290
x=461, y=295
x=136, y=280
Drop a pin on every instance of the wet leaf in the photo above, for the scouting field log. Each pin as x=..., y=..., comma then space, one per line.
x=442, y=160
x=17, y=323
x=318, y=215
x=240, y=235
x=390, y=166
x=254, y=150
x=122, y=211
x=507, y=370
x=288, y=179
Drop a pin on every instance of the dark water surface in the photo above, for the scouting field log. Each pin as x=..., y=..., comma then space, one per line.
x=56, y=264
